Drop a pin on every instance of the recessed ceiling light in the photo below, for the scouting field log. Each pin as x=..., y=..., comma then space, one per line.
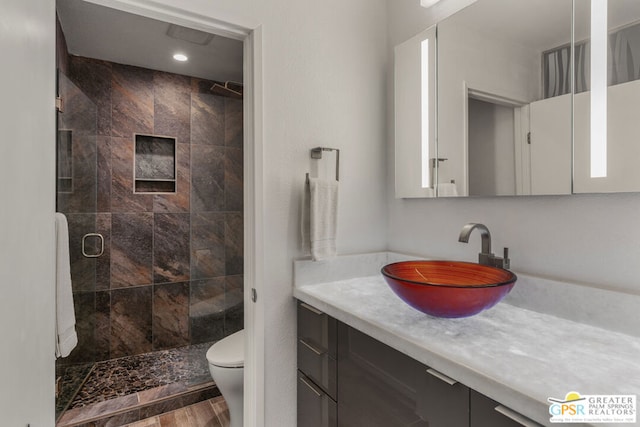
x=180, y=57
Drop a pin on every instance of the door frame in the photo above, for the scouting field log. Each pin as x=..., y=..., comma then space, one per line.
x=254, y=365
x=521, y=130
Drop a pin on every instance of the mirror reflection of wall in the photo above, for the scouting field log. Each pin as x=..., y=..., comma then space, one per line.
x=497, y=48
x=491, y=149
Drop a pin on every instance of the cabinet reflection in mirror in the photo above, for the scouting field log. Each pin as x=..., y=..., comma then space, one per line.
x=504, y=118
x=415, y=127
x=606, y=125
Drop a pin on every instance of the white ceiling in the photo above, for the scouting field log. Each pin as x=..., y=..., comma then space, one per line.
x=539, y=24
x=103, y=33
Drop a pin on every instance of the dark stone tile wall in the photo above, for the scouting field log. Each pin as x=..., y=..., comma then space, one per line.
x=104, y=166
x=132, y=101
x=180, y=200
x=207, y=119
x=131, y=249
x=233, y=173
x=78, y=121
x=103, y=325
x=62, y=53
x=103, y=263
x=131, y=321
x=171, y=315
x=171, y=247
x=83, y=270
x=94, y=78
x=207, y=309
x=172, y=106
x=233, y=122
x=171, y=273
x=207, y=180
x=84, y=302
x=233, y=243
x=123, y=199
x=207, y=245
x=234, y=303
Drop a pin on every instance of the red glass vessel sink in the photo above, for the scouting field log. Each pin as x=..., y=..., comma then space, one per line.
x=448, y=288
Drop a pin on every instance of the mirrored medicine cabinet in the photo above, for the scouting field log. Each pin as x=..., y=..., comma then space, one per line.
x=489, y=103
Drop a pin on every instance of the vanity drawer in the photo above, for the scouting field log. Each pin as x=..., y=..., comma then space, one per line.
x=315, y=407
x=317, y=329
x=318, y=365
x=443, y=401
x=317, y=343
x=488, y=412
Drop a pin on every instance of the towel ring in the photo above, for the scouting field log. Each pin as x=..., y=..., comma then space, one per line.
x=316, y=153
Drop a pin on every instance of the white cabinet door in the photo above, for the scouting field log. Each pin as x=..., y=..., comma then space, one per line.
x=550, y=121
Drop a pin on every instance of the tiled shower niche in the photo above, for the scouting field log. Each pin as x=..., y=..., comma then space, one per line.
x=65, y=161
x=155, y=168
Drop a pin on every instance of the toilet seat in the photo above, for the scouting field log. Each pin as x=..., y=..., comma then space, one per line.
x=228, y=352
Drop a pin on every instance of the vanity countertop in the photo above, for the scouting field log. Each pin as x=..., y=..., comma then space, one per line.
x=515, y=356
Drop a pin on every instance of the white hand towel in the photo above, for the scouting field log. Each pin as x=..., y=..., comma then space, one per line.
x=66, y=336
x=323, y=217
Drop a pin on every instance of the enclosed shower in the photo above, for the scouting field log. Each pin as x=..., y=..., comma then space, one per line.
x=149, y=176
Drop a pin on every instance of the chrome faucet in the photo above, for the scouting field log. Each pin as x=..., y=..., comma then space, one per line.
x=485, y=257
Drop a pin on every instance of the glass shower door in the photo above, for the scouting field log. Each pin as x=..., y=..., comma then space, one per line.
x=76, y=198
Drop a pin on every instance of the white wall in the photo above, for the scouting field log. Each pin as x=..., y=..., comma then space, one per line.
x=27, y=191
x=324, y=84
x=586, y=238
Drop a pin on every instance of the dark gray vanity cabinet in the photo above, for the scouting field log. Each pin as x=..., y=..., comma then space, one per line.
x=443, y=402
x=377, y=385
x=349, y=379
x=486, y=412
x=317, y=368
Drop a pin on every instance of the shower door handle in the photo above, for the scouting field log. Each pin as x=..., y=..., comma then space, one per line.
x=100, y=250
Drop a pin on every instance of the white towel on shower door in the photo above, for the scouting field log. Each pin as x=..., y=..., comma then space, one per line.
x=323, y=217
x=66, y=336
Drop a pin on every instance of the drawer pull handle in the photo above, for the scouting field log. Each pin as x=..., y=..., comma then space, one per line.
x=442, y=377
x=312, y=348
x=311, y=309
x=513, y=415
x=313, y=389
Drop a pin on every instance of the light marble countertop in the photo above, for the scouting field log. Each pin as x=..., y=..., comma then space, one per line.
x=515, y=356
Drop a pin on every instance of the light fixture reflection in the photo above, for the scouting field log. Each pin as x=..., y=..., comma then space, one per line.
x=180, y=57
x=425, y=113
x=598, y=88
x=428, y=3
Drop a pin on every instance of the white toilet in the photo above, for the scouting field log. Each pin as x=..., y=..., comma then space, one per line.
x=226, y=364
